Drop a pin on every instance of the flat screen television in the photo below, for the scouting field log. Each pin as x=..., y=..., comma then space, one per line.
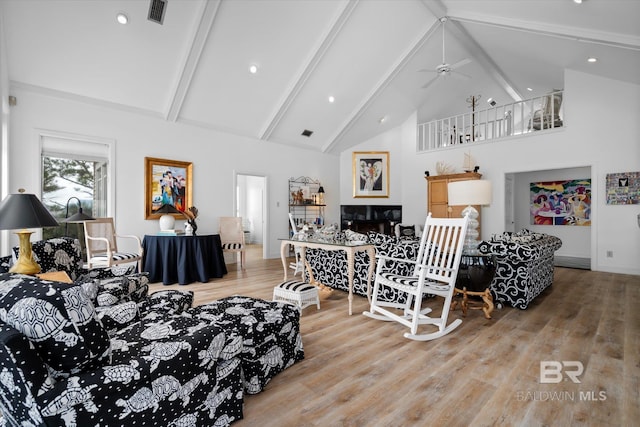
x=363, y=218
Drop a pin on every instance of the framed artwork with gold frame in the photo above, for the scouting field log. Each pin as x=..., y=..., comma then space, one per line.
x=167, y=182
x=370, y=174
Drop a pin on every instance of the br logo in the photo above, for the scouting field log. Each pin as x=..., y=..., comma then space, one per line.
x=551, y=371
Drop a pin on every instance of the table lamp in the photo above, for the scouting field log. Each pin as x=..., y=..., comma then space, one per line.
x=470, y=192
x=167, y=220
x=22, y=211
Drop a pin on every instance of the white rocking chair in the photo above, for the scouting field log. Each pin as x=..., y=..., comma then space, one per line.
x=435, y=272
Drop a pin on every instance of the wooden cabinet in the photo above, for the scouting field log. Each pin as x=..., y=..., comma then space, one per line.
x=437, y=196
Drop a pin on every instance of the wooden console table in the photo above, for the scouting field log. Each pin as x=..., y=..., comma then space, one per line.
x=349, y=247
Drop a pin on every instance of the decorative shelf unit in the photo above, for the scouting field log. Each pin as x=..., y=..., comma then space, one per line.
x=306, y=202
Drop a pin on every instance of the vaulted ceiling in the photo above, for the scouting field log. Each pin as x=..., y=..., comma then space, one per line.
x=372, y=56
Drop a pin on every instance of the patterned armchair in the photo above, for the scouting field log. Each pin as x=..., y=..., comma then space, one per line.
x=115, y=291
x=524, y=265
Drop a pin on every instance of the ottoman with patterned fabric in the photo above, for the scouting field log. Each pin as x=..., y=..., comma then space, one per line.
x=270, y=332
x=299, y=293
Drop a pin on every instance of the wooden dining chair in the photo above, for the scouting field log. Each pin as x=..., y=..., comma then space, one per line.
x=232, y=237
x=101, y=240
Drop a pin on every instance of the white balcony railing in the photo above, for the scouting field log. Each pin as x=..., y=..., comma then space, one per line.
x=501, y=121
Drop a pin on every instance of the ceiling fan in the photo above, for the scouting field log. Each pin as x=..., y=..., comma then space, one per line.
x=445, y=69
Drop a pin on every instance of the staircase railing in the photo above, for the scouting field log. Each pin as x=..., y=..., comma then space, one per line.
x=529, y=115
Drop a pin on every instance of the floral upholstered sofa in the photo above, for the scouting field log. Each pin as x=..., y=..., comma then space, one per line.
x=101, y=352
x=330, y=267
x=524, y=265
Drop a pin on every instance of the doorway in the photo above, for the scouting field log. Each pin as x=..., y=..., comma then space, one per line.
x=250, y=204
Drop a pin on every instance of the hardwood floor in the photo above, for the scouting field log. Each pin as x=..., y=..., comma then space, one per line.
x=362, y=372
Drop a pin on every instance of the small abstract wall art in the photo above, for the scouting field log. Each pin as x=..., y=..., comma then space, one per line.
x=623, y=188
x=566, y=202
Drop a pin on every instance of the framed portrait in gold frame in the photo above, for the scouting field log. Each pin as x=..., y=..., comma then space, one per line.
x=370, y=174
x=167, y=182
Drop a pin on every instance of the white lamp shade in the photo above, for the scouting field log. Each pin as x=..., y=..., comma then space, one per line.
x=471, y=192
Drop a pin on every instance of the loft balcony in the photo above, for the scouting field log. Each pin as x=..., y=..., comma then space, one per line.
x=517, y=118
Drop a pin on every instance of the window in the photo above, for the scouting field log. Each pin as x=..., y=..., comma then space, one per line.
x=75, y=173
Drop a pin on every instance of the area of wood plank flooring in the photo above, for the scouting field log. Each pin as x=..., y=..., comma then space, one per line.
x=359, y=371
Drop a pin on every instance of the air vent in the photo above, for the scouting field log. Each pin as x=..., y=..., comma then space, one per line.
x=307, y=132
x=156, y=11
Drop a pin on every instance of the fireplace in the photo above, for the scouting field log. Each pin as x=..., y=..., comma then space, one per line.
x=363, y=218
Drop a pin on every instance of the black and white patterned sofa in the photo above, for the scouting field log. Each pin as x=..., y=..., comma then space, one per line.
x=60, y=364
x=524, y=265
x=330, y=267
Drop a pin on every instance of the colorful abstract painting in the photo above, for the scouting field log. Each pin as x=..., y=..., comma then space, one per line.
x=623, y=188
x=566, y=202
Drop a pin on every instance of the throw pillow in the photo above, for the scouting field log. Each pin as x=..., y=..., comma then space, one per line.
x=379, y=239
x=58, y=319
x=167, y=301
x=355, y=236
x=405, y=231
x=118, y=316
x=117, y=289
x=108, y=272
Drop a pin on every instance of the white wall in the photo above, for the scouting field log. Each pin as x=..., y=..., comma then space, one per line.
x=216, y=157
x=601, y=132
x=389, y=141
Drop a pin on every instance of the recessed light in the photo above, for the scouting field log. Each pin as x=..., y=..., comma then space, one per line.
x=577, y=1
x=253, y=69
x=331, y=99
x=122, y=18
x=592, y=59
x=382, y=119
x=529, y=89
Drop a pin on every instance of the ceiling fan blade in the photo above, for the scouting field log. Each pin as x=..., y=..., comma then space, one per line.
x=424, y=70
x=460, y=63
x=430, y=82
x=458, y=75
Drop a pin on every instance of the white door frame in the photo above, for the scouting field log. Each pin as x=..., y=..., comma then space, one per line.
x=265, y=204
